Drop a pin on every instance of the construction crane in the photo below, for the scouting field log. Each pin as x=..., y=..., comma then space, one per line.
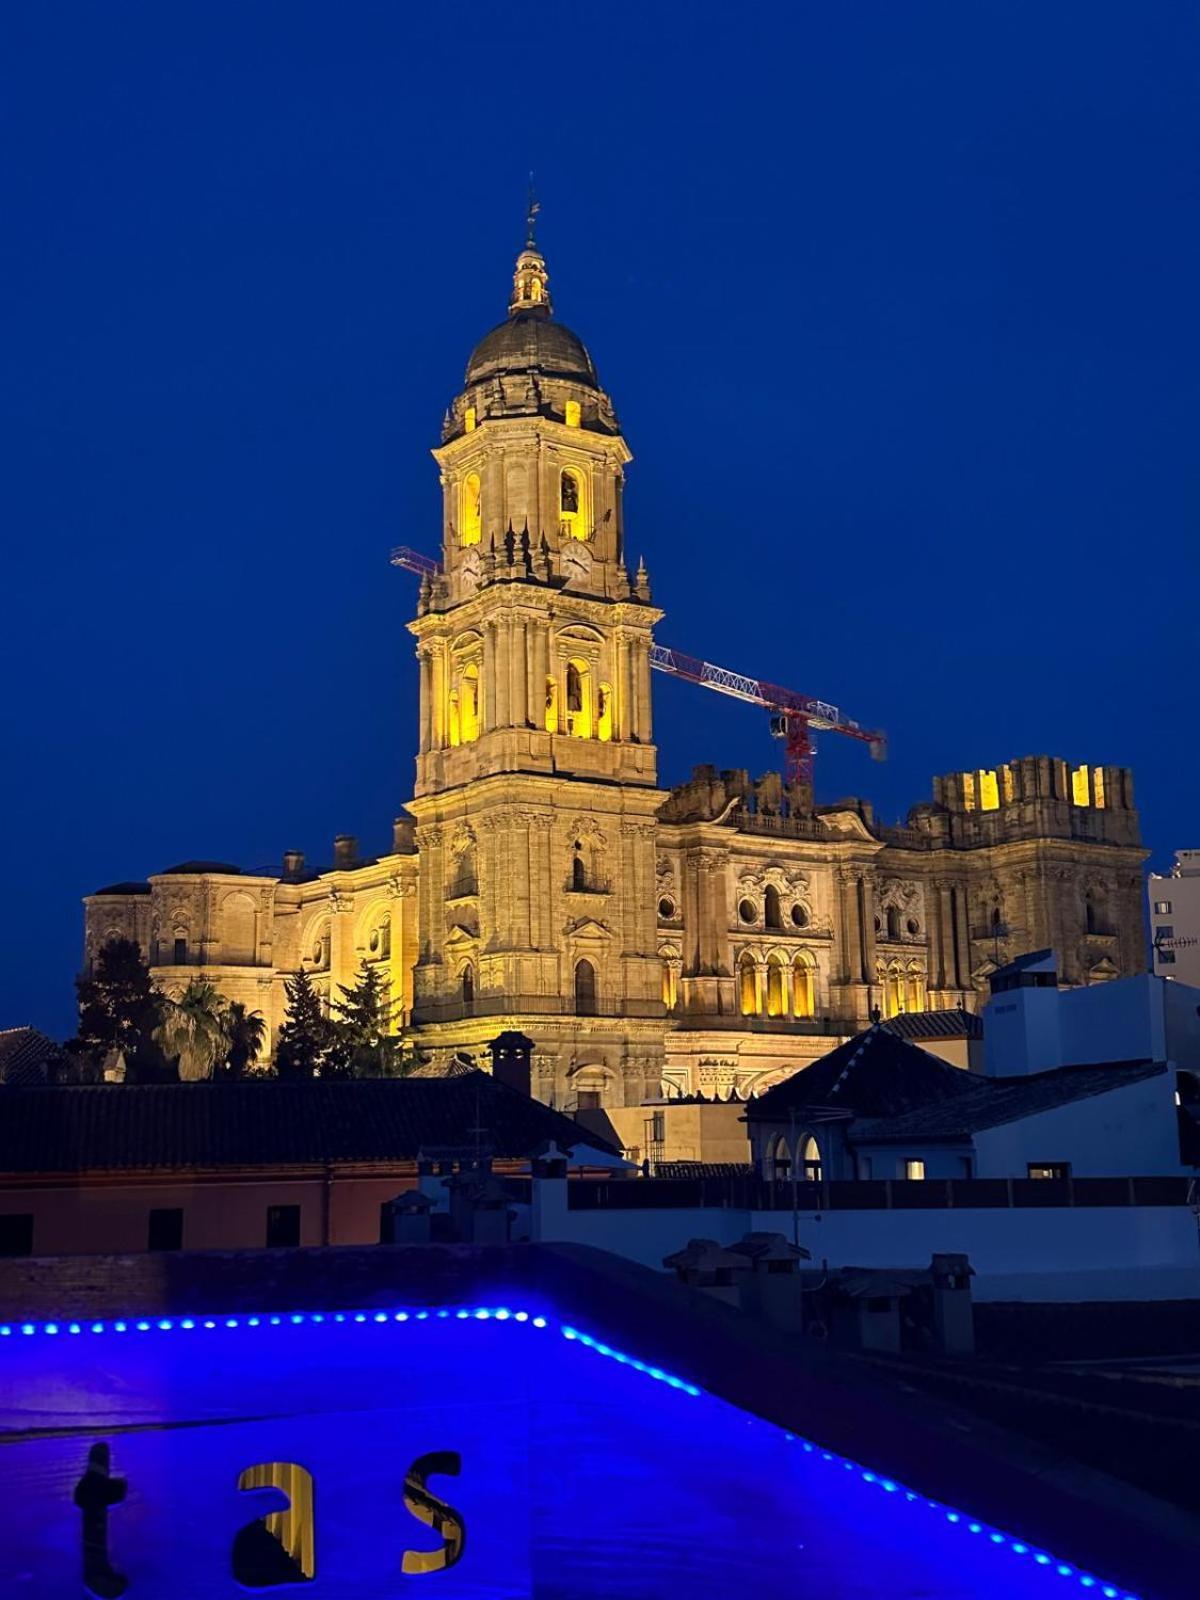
x=794, y=716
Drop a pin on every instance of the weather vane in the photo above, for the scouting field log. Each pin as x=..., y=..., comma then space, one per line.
x=533, y=206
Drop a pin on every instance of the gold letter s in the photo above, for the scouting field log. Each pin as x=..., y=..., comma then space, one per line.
x=434, y=1513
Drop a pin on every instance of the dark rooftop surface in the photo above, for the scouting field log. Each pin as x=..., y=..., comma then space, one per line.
x=125, y=1127
x=951, y=1024
x=875, y=1074
x=991, y=1102
x=24, y=1053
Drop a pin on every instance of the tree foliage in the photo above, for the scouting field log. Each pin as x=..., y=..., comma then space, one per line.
x=119, y=1010
x=362, y=1044
x=305, y=1036
x=245, y=1032
x=194, y=1031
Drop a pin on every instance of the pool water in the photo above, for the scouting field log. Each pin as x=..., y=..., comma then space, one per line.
x=579, y=1471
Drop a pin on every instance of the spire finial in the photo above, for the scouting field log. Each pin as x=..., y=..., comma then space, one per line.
x=531, y=291
x=532, y=206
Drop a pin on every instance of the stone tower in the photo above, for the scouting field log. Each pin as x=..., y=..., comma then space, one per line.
x=536, y=793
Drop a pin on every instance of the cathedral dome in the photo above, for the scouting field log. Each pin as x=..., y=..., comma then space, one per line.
x=528, y=341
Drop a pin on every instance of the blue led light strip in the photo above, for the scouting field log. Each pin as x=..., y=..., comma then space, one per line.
x=969, y=1525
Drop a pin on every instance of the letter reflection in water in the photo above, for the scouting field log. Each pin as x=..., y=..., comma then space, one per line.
x=434, y=1513
x=95, y=1493
x=279, y=1547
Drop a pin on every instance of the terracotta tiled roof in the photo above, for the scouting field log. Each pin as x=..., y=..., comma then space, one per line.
x=23, y=1055
x=952, y=1024
x=122, y=1127
x=991, y=1102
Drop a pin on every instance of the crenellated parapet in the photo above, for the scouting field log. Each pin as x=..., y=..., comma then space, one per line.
x=1036, y=797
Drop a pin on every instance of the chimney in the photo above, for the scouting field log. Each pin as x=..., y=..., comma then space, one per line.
x=345, y=851
x=404, y=840
x=293, y=863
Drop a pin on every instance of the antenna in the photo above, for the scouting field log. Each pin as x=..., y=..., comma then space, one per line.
x=532, y=206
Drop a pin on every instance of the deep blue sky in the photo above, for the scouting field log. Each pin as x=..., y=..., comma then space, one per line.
x=897, y=303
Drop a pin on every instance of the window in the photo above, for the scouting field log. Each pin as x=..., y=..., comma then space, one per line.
x=579, y=699
x=571, y=520
x=747, y=910
x=666, y=909
x=775, y=996
x=670, y=984
x=572, y=413
x=1162, y=908
x=468, y=986
x=799, y=917
x=1165, y=958
x=16, y=1234
x=810, y=1160
x=470, y=419
x=803, y=997
x=1049, y=1169
x=587, y=1100
x=914, y=1170
x=771, y=912
x=181, y=952
x=585, y=989
x=747, y=986
x=165, y=1229
x=380, y=942
x=1165, y=930
x=893, y=923
x=468, y=706
x=604, y=717
x=472, y=510
x=1079, y=787
x=658, y=1126
x=579, y=877
x=283, y=1227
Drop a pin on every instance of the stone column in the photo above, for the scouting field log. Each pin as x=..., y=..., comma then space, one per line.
x=426, y=675
x=941, y=921
x=642, y=659
x=621, y=687
x=866, y=917
x=488, y=709
x=503, y=649
x=963, y=939
x=520, y=691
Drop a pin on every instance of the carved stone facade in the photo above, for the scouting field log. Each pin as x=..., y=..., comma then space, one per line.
x=716, y=937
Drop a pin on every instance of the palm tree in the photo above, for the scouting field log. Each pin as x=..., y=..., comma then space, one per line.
x=193, y=1031
x=245, y=1032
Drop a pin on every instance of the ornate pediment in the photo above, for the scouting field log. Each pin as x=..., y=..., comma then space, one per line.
x=902, y=893
x=584, y=928
x=460, y=936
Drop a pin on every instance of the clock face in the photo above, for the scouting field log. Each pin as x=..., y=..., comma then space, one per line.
x=577, y=563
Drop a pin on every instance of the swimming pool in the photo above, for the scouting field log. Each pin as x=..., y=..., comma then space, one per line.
x=467, y=1452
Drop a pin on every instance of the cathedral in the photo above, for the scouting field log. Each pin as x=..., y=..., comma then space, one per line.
x=710, y=938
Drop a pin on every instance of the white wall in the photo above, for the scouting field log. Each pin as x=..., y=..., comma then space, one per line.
x=1128, y=1133
x=1044, y=1254
x=1129, y=1019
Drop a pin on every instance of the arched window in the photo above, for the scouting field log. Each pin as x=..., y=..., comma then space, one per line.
x=1090, y=915
x=891, y=984
x=471, y=521
x=779, y=1161
x=914, y=988
x=748, y=986
x=579, y=699
x=670, y=984
x=893, y=923
x=776, y=1004
x=572, y=524
x=468, y=986
x=585, y=988
x=579, y=875
x=468, y=704
x=572, y=413
x=803, y=997
x=997, y=919
x=771, y=911
x=379, y=941
x=810, y=1160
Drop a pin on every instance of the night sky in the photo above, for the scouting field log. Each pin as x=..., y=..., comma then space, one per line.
x=897, y=304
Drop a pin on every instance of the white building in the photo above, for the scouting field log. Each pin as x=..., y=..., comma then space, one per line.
x=1175, y=919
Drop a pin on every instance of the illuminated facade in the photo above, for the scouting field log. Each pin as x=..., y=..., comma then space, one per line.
x=721, y=934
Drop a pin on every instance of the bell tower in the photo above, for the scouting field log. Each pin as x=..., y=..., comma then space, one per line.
x=536, y=791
